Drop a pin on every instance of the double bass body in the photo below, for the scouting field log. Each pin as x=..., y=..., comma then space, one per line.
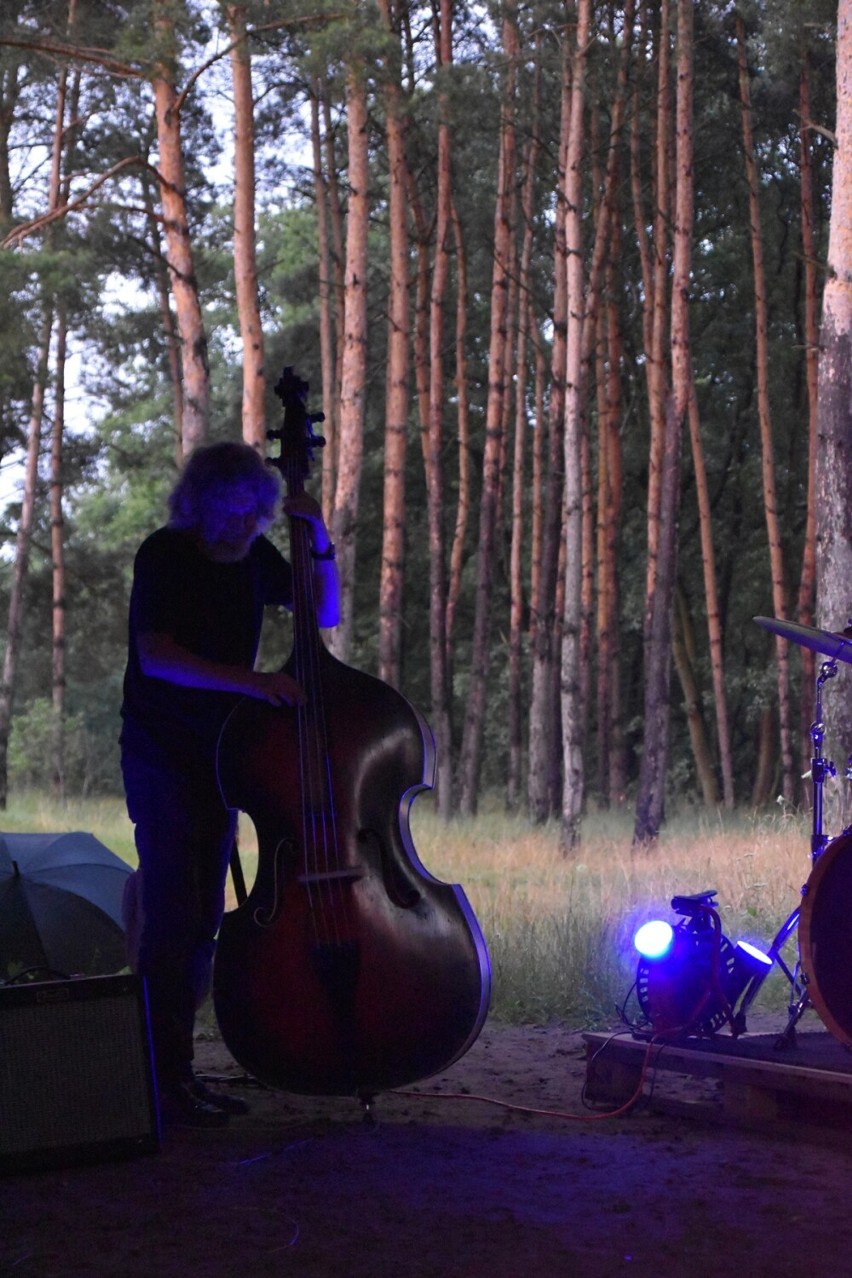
x=348, y=969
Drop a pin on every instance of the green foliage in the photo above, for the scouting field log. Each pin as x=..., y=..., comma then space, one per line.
x=88, y=766
x=105, y=263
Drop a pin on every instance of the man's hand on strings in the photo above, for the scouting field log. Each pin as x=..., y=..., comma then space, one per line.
x=277, y=688
x=304, y=506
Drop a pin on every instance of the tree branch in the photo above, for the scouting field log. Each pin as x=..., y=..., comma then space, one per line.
x=277, y=25
x=102, y=57
x=26, y=229
x=75, y=53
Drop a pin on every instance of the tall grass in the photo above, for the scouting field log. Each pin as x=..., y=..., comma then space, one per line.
x=106, y=818
x=559, y=930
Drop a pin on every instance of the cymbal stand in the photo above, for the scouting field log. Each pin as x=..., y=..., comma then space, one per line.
x=821, y=770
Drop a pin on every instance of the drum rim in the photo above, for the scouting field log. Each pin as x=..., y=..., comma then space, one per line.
x=827, y=858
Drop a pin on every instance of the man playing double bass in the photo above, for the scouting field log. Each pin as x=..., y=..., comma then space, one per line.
x=200, y=585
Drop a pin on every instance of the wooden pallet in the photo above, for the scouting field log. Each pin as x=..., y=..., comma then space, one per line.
x=745, y=1080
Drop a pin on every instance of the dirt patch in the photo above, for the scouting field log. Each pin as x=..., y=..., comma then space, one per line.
x=444, y=1185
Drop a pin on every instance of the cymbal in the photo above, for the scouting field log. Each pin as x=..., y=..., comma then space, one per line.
x=829, y=642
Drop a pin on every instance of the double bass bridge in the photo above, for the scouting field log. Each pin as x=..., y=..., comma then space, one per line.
x=345, y=875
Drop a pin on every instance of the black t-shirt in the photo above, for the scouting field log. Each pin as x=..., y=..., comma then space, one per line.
x=213, y=609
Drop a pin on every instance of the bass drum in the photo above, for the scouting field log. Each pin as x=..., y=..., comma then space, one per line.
x=825, y=936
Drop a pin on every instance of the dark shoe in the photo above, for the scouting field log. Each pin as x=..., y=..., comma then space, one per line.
x=180, y=1106
x=220, y=1100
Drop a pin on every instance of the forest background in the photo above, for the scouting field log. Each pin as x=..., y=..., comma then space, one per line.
x=554, y=273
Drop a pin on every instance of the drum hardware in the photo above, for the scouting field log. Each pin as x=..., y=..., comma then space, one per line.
x=840, y=646
x=836, y=644
x=691, y=980
x=818, y=978
x=821, y=769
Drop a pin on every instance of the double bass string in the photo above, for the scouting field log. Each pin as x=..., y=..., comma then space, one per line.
x=322, y=867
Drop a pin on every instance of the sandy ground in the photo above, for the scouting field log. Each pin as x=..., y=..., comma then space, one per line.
x=444, y=1184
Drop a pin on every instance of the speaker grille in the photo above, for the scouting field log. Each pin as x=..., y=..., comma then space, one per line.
x=75, y=1072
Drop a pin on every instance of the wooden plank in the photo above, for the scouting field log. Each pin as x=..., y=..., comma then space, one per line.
x=753, y=1089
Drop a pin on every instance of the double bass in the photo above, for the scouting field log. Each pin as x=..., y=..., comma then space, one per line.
x=347, y=969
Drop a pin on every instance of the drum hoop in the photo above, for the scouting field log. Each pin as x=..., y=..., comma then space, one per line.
x=810, y=894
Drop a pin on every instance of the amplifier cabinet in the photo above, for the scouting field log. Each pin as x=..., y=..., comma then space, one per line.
x=76, y=1074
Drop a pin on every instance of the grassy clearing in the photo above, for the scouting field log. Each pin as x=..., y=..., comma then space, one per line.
x=105, y=818
x=559, y=930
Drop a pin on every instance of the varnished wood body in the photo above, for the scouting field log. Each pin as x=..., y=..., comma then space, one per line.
x=351, y=970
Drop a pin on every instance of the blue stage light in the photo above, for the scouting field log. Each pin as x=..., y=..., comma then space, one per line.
x=752, y=956
x=690, y=978
x=654, y=939
x=748, y=964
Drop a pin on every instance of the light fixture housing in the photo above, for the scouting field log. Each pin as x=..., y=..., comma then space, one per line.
x=690, y=976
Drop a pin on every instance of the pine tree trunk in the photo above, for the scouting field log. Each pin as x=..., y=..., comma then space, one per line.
x=650, y=801
x=806, y=601
x=602, y=327
x=537, y=463
x=766, y=771
x=606, y=618
x=10, y=87
x=471, y=751
x=653, y=259
x=711, y=596
x=613, y=783
x=434, y=436
x=422, y=288
x=245, y=254
x=57, y=521
x=514, y=779
x=834, y=445
x=328, y=355
x=683, y=645
x=546, y=622
x=336, y=220
x=170, y=334
x=56, y=477
x=57, y=547
x=617, y=772
x=184, y=285
x=640, y=218
x=396, y=386
x=773, y=529
x=354, y=362
x=573, y=718
x=657, y=307
x=463, y=434
x=17, y=592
